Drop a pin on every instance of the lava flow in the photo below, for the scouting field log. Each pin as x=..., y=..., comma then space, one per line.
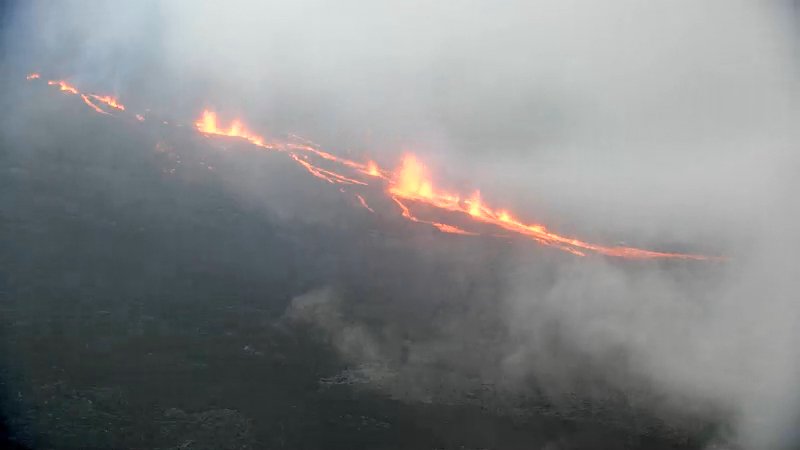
x=412, y=183
x=62, y=86
x=91, y=104
x=65, y=87
x=443, y=227
x=409, y=183
x=208, y=125
x=109, y=100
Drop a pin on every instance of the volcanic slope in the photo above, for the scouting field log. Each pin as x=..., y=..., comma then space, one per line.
x=147, y=272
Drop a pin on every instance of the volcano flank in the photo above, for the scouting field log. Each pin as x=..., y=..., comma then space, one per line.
x=165, y=288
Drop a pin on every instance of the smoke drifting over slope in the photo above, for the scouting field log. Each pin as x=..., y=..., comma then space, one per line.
x=664, y=122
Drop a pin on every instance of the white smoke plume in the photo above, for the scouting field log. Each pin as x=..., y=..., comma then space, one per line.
x=663, y=122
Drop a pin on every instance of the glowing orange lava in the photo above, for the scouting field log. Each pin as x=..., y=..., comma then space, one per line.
x=360, y=167
x=92, y=105
x=63, y=86
x=443, y=227
x=323, y=174
x=372, y=169
x=412, y=183
x=409, y=183
x=208, y=124
x=109, y=100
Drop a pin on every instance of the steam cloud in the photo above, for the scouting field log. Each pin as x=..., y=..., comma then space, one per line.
x=665, y=121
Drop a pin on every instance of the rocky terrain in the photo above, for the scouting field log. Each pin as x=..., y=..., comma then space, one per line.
x=154, y=293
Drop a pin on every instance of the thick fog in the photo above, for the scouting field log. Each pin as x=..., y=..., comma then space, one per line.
x=660, y=123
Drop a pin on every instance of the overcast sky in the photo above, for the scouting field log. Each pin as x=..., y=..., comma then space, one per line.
x=663, y=120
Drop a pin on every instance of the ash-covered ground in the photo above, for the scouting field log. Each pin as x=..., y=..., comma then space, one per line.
x=163, y=290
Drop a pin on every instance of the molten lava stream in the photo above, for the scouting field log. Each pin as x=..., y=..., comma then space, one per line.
x=409, y=183
x=443, y=227
x=208, y=124
x=63, y=86
x=92, y=105
x=323, y=174
x=412, y=183
x=109, y=100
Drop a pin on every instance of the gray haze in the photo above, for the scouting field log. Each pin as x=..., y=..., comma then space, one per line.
x=659, y=123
